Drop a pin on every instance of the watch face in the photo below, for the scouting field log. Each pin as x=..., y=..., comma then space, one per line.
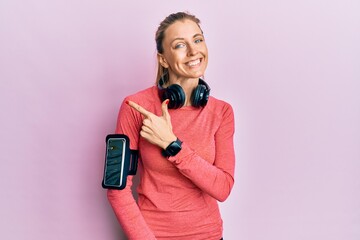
x=173, y=149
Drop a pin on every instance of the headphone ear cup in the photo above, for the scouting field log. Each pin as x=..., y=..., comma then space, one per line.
x=197, y=96
x=175, y=94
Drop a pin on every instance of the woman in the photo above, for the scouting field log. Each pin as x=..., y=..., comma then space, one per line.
x=185, y=142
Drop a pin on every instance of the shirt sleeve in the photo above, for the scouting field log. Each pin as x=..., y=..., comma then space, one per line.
x=122, y=201
x=215, y=179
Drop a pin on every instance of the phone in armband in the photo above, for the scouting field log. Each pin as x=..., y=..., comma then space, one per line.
x=120, y=161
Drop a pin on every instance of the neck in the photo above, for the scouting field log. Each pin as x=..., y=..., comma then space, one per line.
x=188, y=85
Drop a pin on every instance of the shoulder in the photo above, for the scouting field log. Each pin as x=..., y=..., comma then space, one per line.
x=218, y=106
x=145, y=97
x=223, y=113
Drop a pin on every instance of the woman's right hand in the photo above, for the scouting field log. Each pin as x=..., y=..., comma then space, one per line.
x=156, y=129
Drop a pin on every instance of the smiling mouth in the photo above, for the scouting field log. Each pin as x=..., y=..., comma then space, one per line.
x=194, y=63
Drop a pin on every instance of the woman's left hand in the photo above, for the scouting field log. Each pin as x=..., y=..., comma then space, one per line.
x=156, y=129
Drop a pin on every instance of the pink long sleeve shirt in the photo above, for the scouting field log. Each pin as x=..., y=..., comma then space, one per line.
x=177, y=196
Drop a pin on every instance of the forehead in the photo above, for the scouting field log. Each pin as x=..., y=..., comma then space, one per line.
x=182, y=29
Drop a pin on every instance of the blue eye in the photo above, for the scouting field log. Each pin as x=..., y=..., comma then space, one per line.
x=199, y=40
x=180, y=45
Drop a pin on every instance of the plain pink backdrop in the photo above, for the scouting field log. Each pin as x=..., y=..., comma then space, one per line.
x=290, y=69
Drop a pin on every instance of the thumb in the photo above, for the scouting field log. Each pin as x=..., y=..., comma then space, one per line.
x=164, y=108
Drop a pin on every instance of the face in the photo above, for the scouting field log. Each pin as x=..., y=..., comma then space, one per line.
x=185, y=53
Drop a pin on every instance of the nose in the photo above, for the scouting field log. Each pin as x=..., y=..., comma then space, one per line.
x=192, y=49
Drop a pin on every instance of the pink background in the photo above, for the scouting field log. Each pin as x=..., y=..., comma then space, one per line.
x=290, y=69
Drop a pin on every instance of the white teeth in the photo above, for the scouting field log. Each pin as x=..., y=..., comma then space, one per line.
x=193, y=63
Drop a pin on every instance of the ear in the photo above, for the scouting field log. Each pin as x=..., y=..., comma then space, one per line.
x=162, y=60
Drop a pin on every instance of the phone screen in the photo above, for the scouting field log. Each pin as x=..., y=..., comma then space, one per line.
x=115, y=160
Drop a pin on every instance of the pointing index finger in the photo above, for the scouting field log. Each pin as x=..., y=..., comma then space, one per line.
x=138, y=108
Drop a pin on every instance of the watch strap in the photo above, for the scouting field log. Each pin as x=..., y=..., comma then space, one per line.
x=173, y=148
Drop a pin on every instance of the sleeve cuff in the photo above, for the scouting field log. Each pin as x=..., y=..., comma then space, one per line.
x=185, y=152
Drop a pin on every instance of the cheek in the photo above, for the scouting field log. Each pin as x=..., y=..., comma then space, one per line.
x=177, y=58
x=205, y=50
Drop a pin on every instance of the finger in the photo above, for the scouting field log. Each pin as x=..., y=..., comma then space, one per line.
x=148, y=137
x=139, y=108
x=146, y=122
x=164, y=108
x=145, y=135
x=146, y=129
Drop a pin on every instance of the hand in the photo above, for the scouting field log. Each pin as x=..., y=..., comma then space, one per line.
x=156, y=129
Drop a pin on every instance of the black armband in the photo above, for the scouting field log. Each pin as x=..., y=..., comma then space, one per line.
x=120, y=161
x=173, y=149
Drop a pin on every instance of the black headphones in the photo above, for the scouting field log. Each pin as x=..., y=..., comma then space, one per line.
x=176, y=95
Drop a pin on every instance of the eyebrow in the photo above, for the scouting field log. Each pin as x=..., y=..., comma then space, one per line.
x=196, y=35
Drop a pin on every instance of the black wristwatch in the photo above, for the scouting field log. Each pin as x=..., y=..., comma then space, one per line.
x=173, y=149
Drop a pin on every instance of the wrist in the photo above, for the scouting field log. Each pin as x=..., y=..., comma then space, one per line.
x=172, y=149
x=168, y=142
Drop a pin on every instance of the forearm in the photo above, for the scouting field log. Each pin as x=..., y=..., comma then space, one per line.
x=129, y=215
x=215, y=179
